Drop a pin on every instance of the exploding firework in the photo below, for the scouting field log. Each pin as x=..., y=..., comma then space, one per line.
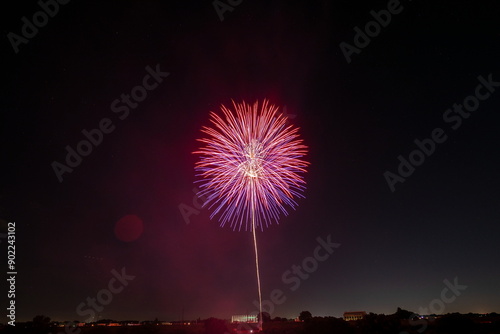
x=251, y=165
x=251, y=168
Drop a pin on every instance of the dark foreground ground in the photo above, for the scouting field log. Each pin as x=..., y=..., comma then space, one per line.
x=285, y=328
x=451, y=324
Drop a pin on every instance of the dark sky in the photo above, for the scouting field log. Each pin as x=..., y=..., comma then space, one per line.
x=396, y=247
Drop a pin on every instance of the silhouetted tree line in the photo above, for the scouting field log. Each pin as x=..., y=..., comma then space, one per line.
x=401, y=322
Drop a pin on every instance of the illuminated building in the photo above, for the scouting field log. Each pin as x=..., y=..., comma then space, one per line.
x=351, y=316
x=244, y=318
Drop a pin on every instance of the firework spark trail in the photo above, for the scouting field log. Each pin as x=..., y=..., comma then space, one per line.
x=251, y=168
x=257, y=264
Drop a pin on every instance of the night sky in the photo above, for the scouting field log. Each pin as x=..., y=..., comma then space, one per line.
x=119, y=206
